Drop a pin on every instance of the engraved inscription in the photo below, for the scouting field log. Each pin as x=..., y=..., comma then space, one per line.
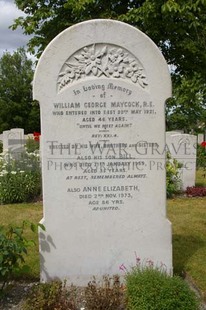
x=100, y=60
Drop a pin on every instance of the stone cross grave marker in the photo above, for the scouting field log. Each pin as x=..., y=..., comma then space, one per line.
x=102, y=87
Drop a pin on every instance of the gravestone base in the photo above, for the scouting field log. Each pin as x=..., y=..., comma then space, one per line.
x=78, y=259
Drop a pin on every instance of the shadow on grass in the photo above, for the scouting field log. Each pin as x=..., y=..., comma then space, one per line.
x=184, y=247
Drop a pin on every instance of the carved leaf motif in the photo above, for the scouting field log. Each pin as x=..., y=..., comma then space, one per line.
x=62, y=73
x=94, y=70
x=88, y=69
x=119, y=51
x=104, y=50
x=134, y=78
x=80, y=58
x=142, y=82
x=97, y=60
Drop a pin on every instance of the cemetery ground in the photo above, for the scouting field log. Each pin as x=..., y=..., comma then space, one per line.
x=188, y=218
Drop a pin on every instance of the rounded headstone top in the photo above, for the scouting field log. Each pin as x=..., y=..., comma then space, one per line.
x=101, y=48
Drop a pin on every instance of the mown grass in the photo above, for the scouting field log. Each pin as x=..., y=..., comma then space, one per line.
x=201, y=177
x=188, y=217
x=14, y=215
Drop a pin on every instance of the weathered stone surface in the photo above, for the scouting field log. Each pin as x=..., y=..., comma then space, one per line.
x=13, y=140
x=102, y=87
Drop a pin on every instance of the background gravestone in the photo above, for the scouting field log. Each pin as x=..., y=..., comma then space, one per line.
x=183, y=148
x=200, y=138
x=102, y=98
x=13, y=140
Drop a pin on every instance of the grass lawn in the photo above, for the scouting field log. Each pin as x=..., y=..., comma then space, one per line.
x=15, y=214
x=188, y=217
x=201, y=177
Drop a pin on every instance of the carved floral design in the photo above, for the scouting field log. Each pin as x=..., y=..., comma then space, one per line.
x=102, y=60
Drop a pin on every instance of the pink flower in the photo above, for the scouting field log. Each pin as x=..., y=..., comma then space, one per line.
x=150, y=263
x=162, y=265
x=138, y=259
x=122, y=267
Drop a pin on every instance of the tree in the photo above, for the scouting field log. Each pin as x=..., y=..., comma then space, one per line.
x=47, y=18
x=178, y=27
x=16, y=106
x=187, y=108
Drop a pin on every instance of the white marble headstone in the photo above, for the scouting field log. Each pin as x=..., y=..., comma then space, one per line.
x=102, y=87
x=13, y=140
x=200, y=138
x=183, y=148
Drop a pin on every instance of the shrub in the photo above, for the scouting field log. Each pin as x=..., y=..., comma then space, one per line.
x=196, y=191
x=50, y=296
x=32, y=145
x=13, y=248
x=106, y=295
x=1, y=147
x=20, y=179
x=173, y=182
x=152, y=288
x=201, y=156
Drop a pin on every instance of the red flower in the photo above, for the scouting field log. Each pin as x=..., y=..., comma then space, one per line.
x=36, y=136
x=203, y=144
